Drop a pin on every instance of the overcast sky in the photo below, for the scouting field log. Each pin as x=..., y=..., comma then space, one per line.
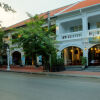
x=31, y=6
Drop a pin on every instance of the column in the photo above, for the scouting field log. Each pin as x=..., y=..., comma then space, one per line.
x=85, y=24
x=23, y=59
x=66, y=56
x=10, y=60
x=85, y=54
x=65, y=59
x=59, y=54
x=73, y=55
x=78, y=55
x=58, y=32
x=85, y=34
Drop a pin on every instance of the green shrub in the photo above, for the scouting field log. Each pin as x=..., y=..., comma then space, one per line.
x=60, y=62
x=83, y=60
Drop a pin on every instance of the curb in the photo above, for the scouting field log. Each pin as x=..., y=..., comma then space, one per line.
x=54, y=74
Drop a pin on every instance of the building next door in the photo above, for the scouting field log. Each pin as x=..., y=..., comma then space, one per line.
x=94, y=55
x=16, y=58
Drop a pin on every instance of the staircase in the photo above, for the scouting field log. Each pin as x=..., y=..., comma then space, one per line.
x=73, y=68
x=93, y=68
x=79, y=68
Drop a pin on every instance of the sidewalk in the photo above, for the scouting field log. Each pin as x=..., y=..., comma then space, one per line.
x=22, y=69
x=39, y=71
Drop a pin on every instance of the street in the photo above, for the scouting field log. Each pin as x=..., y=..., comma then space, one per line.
x=20, y=86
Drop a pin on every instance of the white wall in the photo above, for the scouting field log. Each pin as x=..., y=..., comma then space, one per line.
x=93, y=20
x=67, y=25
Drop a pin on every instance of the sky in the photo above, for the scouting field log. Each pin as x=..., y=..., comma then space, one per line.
x=31, y=6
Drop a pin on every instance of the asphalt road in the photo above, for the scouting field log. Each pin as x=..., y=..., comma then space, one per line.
x=17, y=86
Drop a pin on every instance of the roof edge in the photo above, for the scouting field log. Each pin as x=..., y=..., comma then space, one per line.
x=76, y=10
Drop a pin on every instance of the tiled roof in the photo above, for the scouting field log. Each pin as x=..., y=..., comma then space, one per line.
x=45, y=15
x=82, y=4
x=61, y=10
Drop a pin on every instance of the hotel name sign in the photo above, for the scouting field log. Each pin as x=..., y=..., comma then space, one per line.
x=94, y=39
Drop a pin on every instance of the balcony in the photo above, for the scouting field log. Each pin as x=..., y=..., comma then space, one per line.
x=94, y=32
x=78, y=35
x=72, y=35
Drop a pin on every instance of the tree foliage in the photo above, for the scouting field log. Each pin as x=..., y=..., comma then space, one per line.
x=6, y=7
x=1, y=40
x=36, y=39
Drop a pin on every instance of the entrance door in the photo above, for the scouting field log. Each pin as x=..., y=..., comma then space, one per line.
x=72, y=55
x=94, y=55
x=16, y=58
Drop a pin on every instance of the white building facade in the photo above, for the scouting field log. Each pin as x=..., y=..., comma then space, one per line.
x=78, y=33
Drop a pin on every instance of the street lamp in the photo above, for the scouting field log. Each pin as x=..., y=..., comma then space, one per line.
x=6, y=46
x=8, y=58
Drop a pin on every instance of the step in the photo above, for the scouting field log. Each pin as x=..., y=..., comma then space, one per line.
x=93, y=68
x=73, y=68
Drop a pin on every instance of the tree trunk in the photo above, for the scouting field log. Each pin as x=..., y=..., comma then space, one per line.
x=32, y=60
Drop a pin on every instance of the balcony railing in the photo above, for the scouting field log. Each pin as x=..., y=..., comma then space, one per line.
x=94, y=32
x=72, y=35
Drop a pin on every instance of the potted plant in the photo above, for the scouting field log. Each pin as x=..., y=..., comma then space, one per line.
x=57, y=64
x=60, y=64
x=83, y=62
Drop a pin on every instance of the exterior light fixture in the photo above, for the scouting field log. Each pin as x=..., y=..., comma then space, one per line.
x=98, y=37
x=85, y=48
x=57, y=28
x=91, y=48
x=71, y=50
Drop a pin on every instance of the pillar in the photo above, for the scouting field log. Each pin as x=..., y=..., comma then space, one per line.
x=23, y=59
x=85, y=24
x=73, y=55
x=59, y=54
x=10, y=60
x=78, y=55
x=58, y=29
x=85, y=54
x=85, y=34
x=66, y=56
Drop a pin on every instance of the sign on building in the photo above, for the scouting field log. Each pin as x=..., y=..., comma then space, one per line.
x=94, y=39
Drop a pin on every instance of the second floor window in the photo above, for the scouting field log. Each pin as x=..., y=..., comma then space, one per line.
x=6, y=39
x=98, y=24
x=76, y=28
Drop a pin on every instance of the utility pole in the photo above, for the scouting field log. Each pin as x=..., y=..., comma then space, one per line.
x=49, y=20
